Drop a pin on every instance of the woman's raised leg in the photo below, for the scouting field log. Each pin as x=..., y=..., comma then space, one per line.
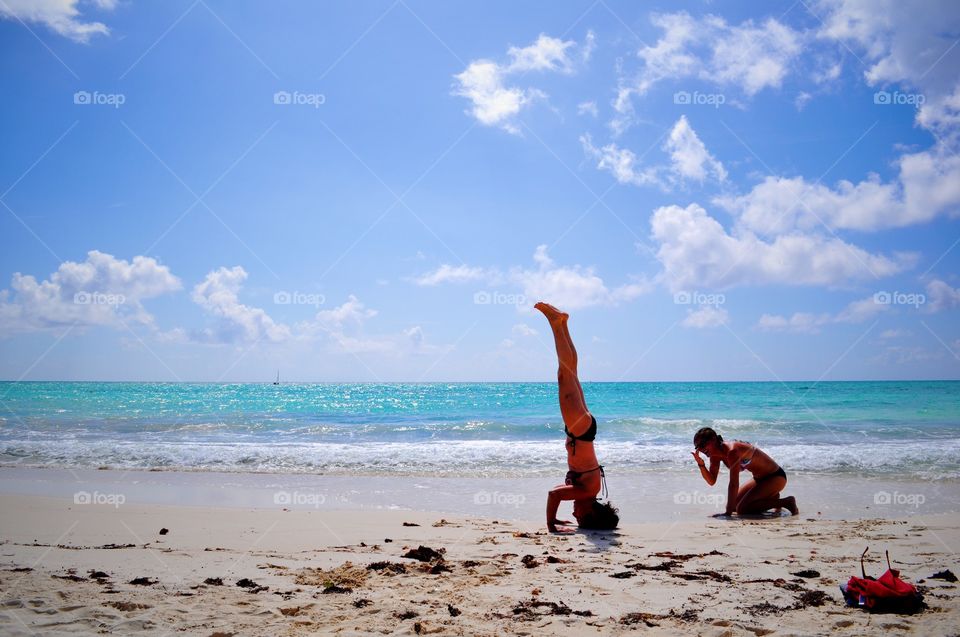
x=573, y=406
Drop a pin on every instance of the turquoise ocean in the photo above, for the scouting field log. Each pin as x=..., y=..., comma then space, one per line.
x=884, y=429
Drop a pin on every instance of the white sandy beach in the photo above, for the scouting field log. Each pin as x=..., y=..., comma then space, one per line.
x=105, y=568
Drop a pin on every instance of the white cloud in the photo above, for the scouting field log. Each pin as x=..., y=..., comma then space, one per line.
x=697, y=252
x=671, y=56
x=928, y=186
x=941, y=296
x=706, y=316
x=861, y=311
x=620, y=162
x=784, y=229
x=906, y=43
x=546, y=54
x=344, y=327
x=218, y=294
x=102, y=290
x=493, y=103
x=827, y=70
x=352, y=311
x=62, y=16
x=451, y=274
x=415, y=334
x=749, y=56
x=623, y=106
x=753, y=57
x=689, y=160
x=630, y=291
x=522, y=329
x=570, y=287
x=484, y=82
x=858, y=311
x=803, y=322
x=588, y=108
x=589, y=44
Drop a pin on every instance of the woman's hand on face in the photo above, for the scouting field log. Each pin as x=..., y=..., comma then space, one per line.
x=696, y=456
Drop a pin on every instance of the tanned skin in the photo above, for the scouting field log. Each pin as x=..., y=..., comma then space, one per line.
x=577, y=418
x=751, y=497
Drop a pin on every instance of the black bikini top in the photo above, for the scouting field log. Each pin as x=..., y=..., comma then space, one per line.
x=588, y=436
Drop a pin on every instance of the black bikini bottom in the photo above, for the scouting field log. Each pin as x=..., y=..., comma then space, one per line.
x=779, y=472
x=573, y=479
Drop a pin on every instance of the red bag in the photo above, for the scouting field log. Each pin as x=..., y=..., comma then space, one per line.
x=888, y=594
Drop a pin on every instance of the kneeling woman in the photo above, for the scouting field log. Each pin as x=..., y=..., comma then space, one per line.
x=585, y=477
x=757, y=495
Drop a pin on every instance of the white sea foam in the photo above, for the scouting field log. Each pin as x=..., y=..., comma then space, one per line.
x=926, y=460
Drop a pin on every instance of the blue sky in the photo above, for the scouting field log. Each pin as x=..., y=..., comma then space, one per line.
x=380, y=191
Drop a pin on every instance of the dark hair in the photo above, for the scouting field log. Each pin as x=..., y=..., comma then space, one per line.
x=704, y=435
x=602, y=517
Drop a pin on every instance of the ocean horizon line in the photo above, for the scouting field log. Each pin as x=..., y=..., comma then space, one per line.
x=481, y=382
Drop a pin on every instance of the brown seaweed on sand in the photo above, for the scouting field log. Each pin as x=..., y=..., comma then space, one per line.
x=530, y=610
x=424, y=554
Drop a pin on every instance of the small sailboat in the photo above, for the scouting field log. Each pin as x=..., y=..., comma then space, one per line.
x=277, y=382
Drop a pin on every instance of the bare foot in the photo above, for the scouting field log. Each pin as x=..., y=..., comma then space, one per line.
x=791, y=503
x=553, y=314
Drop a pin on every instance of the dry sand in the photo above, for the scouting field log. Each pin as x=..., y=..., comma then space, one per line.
x=100, y=569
